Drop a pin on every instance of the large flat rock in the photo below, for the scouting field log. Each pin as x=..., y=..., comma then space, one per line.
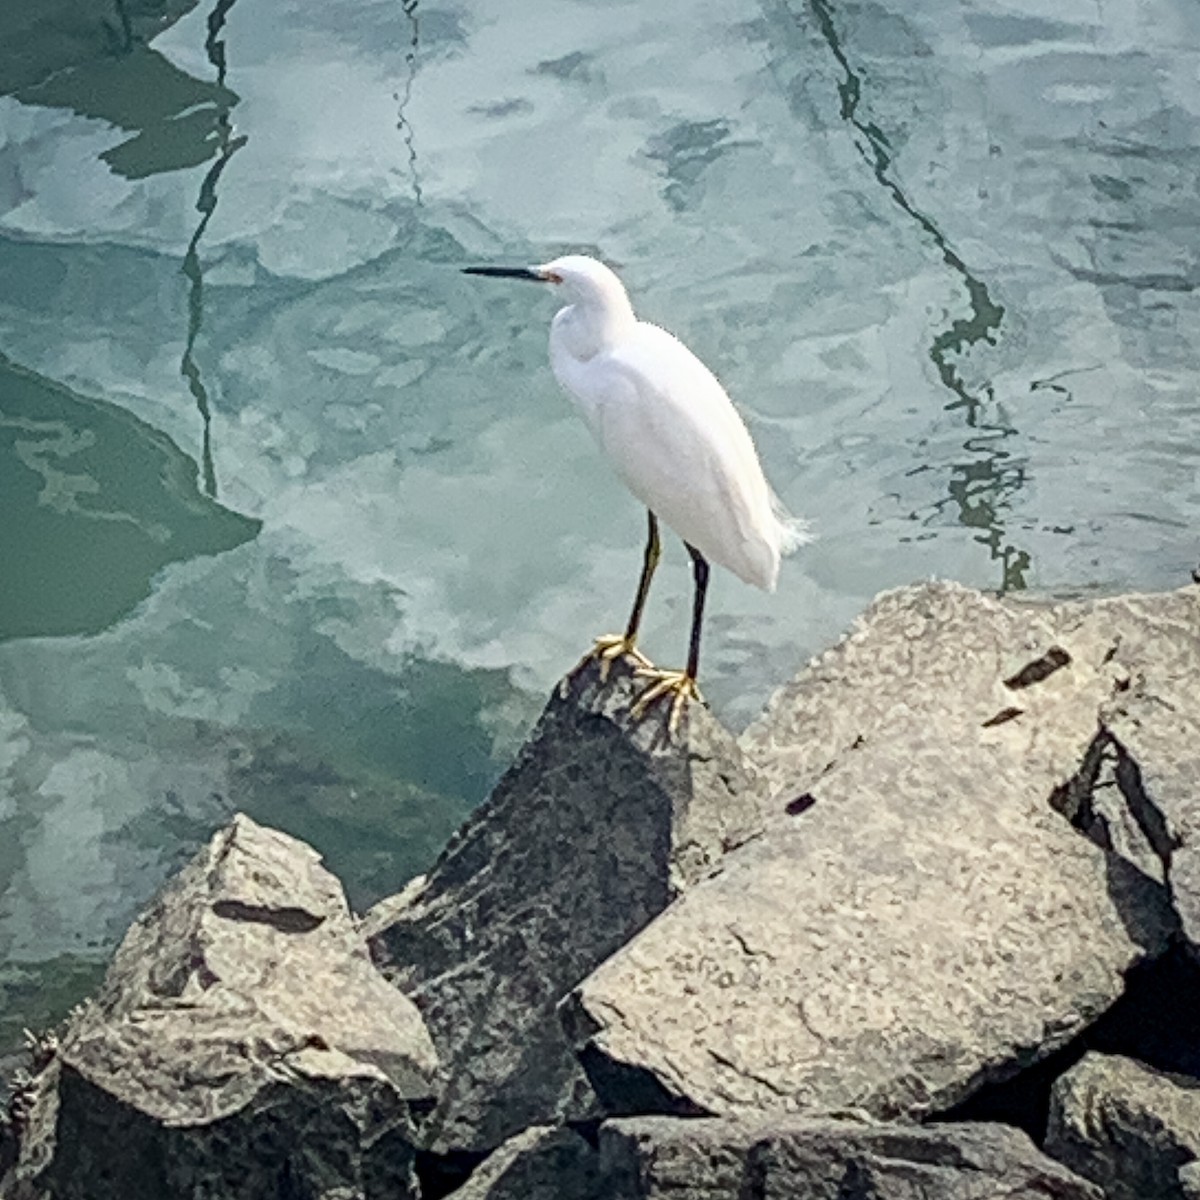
x=1127, y=1127
x=242, y=1045
x=667, y=1158
x=595, y=828
x=663, y=1158
x=948, y=888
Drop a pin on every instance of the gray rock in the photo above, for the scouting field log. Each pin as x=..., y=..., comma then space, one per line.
x=10, y=1063
x=1129, y=1128
x=1189, y=1175
x=242, y=1045
x=932, y=918
x=667, y=1158
x=664, y=1158
x=592, y=831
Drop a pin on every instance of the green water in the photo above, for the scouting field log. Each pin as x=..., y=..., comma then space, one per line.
x=293, y=519
x=115, y=500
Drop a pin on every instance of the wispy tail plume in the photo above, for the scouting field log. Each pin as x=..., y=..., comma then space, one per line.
x=794, y=531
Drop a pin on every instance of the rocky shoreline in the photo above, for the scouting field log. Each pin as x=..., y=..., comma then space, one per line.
x=930, y=928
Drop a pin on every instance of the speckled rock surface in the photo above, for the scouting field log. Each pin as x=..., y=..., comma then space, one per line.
x=946, y=891
x=666, y=1158
x=593, y=830
x=1126, y=1126
x=1189, y=1181
x=662, y=1158
x=242, y=1045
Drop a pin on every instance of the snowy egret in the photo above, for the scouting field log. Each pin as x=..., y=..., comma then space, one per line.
x=677, y=443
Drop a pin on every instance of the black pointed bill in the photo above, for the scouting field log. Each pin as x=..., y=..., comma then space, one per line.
x=508, y=273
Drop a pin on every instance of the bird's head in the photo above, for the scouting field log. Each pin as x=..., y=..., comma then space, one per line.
x=582, y=280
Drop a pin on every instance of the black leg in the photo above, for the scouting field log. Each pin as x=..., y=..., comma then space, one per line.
x=649, y=562
x=700, y=575
x=679, y=685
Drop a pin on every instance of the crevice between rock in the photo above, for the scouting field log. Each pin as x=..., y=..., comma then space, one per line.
x=627, y=1090
x=442, y=1174
x=1155, y=1019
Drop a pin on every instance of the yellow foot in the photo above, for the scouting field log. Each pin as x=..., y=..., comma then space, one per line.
x=606, y=650
x=679, y=685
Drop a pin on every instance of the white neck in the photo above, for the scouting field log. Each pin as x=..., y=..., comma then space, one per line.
x=592, y=324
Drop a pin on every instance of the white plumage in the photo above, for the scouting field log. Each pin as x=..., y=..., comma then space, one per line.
x=667, y=426
x=676, y=441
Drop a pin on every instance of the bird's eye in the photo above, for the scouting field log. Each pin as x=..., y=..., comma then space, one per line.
x=553, y=277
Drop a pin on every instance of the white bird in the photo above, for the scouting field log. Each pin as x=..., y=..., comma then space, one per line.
x=676, y=441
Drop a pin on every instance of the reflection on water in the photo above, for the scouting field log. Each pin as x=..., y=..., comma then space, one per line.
x=685, y=150
x=404, y=98
x=228, y=144
x=981, y=490
x=113, y=497
x=175, y=118
x=982, y=487
x=38, y=41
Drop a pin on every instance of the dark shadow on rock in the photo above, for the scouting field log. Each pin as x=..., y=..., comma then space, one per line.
x=1142, y=902
x=8, y=1145
x=441, y=1174
x=1156, y=1020
x=274, y=1152
x=627, y=1090
x=1151, y=820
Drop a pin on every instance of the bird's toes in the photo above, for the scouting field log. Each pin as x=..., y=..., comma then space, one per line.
x=679, y=685
x=664, y=681
x=678, y=704
x=685, y=692
x=607, y=649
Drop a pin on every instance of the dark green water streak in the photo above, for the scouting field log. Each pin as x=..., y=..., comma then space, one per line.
x=980, y=487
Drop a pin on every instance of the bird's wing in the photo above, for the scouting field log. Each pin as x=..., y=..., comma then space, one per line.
x=684, y=383
x=678, y=443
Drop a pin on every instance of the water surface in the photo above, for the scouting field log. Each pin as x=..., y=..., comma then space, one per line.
x=292, y=516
